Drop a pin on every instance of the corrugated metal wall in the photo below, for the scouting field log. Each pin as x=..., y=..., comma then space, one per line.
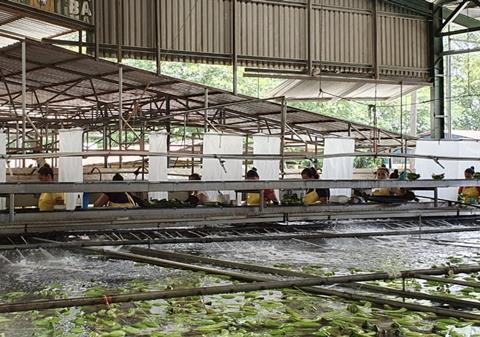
x=275, y=34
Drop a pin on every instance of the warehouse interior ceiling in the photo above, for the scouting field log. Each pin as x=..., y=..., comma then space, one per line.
x=67, y=89
x=335, y=89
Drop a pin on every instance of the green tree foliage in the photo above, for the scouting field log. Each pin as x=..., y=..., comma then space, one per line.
x=220, y=77
x=388, y=113
x=465, y=98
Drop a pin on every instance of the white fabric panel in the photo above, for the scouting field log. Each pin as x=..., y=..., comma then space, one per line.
x=270, y=145
x=212, y=170
x=157, y=170
x=70, y=169
x=338, y=168
x=3, y=166
x=453, y=168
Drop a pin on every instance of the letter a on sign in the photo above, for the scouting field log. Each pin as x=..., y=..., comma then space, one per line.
x=86, y=9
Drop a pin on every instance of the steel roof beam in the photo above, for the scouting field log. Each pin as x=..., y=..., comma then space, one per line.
x=418, y=6
x=454, y=14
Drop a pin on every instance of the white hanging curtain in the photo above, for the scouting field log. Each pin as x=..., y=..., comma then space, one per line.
x=269, y=145
x=454, y=169
x=222, y=169
x=70, y=169
x=338, y=168
x=157, y=167
x=3, y=166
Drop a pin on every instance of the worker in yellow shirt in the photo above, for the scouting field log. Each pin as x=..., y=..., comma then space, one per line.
x=47, y=201
x=382, y=174
x=253, y=199
x=469, y=194
x=317, y=195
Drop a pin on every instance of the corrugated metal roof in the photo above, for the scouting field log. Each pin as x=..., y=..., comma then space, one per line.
x=326, y=90
x=24, y=26
x=72, y=84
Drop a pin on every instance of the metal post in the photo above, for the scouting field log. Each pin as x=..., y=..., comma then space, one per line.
x=205, y=126
x=120, y=110
x=376, y=57
x=97, y=28
x=105, y=146
x=193, y=152
x=435, y=197
x=80, y=41
x=449, y=89
x=413, y=115
x=438, y=131
x=46, y=138
x=309, y=31
x=245, y=162
x=24, y=95
x=261, y=205
x=234, y=48
x=119, y=30
x=11, y=208
x=168, y=128
x=401, y=110
x=283, y=128
x=158, y=44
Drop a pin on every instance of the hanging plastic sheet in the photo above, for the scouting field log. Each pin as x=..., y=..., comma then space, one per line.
x=338, y=168
x=3, y=166
x=267, y=145
x=453, y=169
x=222, y=169
x=70, y=169
x=157, y=168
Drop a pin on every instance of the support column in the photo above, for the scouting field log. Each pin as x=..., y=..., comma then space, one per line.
x=283, y=129
x=376, y=57
x=24, y=96
x=449, y=90
x=309, y=31
x=438, y=91
x=413, y=115
x=158, y=40
x=205, y=126
x=119, y=30
x=234, y=48
x=97, y=28
x=168, y=127
x=80, y=41
x=105, y=145
x=3, y=165
x=120, y=111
